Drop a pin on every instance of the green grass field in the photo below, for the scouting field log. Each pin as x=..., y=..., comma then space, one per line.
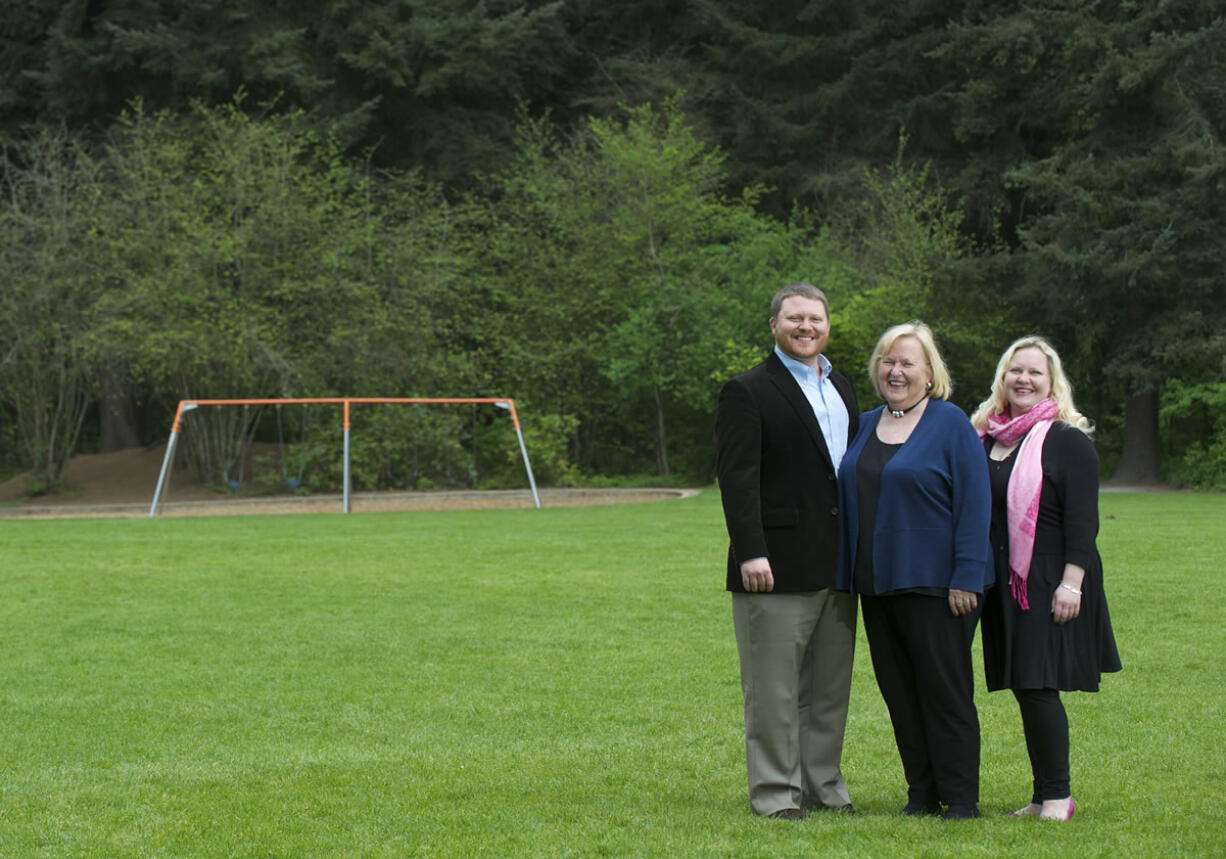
x=558, y=682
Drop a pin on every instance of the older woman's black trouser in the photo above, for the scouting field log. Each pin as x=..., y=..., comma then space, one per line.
x=922, y=658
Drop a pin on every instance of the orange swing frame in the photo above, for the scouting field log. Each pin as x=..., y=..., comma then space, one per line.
x=187, y=405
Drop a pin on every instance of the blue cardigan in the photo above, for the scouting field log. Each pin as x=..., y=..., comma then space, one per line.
x=934, y=511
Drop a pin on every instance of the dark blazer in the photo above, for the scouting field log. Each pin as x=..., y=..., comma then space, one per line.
x=776, y=478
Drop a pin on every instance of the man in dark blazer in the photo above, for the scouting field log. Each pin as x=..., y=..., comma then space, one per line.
x=781, y=430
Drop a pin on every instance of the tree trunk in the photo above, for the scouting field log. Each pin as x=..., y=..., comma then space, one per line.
x=661, y=435
x=117, y=427
x=1139, y=460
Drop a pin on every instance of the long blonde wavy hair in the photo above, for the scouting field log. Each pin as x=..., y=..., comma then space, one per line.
x=1061, y=390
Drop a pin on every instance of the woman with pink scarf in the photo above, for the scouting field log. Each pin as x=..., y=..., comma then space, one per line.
x=1045, y=625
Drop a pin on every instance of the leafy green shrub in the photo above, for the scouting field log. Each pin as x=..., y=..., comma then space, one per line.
x=548, y=438
x=390, y=447
x=1196, y=432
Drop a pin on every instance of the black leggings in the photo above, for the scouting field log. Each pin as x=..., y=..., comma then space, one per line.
x=1045, y=725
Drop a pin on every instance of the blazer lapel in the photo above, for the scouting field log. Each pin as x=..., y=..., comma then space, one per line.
x=788, y=386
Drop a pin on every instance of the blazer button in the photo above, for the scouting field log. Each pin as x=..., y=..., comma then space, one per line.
x=834, y=511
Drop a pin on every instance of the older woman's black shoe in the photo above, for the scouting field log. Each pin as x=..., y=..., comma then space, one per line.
x=921, y=809
x=960, y=812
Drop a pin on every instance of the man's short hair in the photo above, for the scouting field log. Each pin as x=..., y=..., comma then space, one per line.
x=804, y=290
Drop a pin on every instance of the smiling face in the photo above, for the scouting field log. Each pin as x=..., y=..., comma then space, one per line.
x=802, y=328
x=1027, y=380
x=903, y=373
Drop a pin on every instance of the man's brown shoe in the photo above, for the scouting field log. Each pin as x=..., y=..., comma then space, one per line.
x=817, y=806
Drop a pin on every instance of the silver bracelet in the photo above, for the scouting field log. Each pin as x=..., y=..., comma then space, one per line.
x=1070, y=588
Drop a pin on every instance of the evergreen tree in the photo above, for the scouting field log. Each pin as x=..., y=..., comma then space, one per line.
x=1112, y=115
x=421, y=83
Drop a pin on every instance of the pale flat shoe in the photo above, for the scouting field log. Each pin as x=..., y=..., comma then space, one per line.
x=1031, y=810
x=1063, y=809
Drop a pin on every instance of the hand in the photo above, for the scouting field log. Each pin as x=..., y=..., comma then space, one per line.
x=756, y=576
x=1065, y=605
x=962, y=602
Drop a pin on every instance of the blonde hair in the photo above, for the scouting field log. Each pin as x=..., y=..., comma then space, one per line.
x=942, y=385
x=1061, y=390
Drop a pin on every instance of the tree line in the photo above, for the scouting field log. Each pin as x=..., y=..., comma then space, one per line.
x=585, y=205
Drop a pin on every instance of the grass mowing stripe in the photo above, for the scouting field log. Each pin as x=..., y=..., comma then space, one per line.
x=522, y=682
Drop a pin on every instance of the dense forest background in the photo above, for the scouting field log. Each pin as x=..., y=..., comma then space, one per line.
x=586, y=206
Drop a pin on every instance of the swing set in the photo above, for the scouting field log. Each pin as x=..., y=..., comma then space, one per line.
x=186, y=406
x=291, y=483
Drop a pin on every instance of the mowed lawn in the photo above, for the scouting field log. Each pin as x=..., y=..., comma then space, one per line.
x=557, y=682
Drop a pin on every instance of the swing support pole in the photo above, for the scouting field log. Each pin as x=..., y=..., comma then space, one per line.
x=344, y=402
x=170, y=455
x=523, y=449
x=345, y=495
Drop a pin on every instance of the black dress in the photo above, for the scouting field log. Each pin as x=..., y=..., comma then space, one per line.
x=1028, y=649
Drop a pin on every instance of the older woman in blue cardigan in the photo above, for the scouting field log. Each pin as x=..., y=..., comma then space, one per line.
x=916, y=507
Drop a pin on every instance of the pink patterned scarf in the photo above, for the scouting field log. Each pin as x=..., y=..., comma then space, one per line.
x=1025, y=485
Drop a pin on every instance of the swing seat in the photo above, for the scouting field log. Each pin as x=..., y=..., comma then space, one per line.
x=234, y=485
